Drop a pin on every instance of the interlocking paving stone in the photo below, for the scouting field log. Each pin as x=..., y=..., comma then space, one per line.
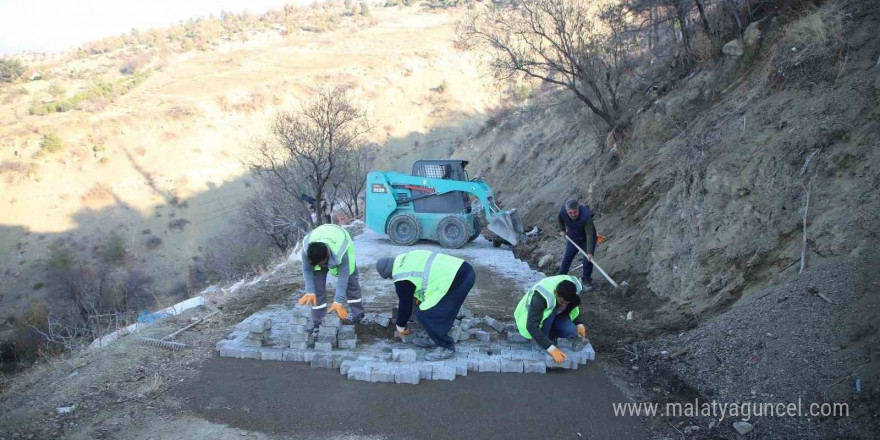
x=403, y=355
x=511, y=366
x=443, y=372
x=323, y=346
x=346, y=344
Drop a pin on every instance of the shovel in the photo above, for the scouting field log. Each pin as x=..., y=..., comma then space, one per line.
x=592, y=261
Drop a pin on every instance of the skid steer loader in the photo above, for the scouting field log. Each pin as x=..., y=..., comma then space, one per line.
x=434, y=203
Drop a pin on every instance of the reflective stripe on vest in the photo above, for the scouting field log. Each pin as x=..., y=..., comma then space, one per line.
x=336, y=253
x=543, y=287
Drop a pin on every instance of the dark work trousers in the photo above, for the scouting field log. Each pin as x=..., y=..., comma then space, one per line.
x=438, y=320
x=352, y=293
x=568, y=257
x=559, y=326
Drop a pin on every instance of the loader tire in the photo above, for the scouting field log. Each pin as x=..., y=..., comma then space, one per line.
x=404, y=229
x=476, y=229
x=452, y=232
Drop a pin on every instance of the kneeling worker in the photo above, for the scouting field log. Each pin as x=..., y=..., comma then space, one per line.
x=551, y=309
x=438, y=283
x=329, y=248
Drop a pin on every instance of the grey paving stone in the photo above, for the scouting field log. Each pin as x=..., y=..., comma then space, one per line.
x=299, y=345
x=563, y=343
x=272, y=354
x=299, y=320
x=511, y=366
x=425, y=370
x=308, y=355
x=403, y=355
x=566, y=364
x=331, y=321
x=257, y=325
x=359, y=373
x=460, y=365
x=299, y=337
x=250, y=353
x=589, y=352
x=328, y=331
x=463, y=336
x=534, y=367
x=382, y=374
x=473, y=364
x=346, y=333
x=409, y=375
x=230, y=352
x=322, y=361
x=466, y=324
x=331, y=339
x=510, y=327
x=483, y=336
x=302, y=310
x=516, y=337
x=577, y=357
x=298, y=328
x=455, y=333
x=443, y=372
x=323, y=346
x=252, y=342
x=346, y=365
x=221, y=343
x=293, y=355
x=346, y=344
x=489, y=366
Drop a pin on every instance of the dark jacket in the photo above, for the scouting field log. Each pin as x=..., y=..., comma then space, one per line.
x=536, y=311
x=580, y=229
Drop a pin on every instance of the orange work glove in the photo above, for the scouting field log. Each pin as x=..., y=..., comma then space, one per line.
x=402, y=331
x=557, y=354
x=339, y=309
x=309, y=298
x=582, y=331
x=601, y=239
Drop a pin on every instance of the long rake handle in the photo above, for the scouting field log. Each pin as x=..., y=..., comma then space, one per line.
x=173, y=335
x=591, y=261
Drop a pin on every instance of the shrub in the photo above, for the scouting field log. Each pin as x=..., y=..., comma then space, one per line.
x=51, y=143
x=114, y=250
x=10, y=70
x=56, y=90
x=60, y=258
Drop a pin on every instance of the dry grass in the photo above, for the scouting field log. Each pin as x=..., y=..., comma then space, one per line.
x=810, y=43
x=98, y=191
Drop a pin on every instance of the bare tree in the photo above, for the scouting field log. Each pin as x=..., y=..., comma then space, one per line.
x=276, y=214
x=558, y=41
x=308, y=145
x=358, y=164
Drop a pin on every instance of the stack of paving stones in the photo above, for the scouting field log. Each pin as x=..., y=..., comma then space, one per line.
x=485, y=345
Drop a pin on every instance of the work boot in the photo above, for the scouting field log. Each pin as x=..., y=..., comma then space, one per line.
x=588, y=284
x=423, y=342
x=439, y=354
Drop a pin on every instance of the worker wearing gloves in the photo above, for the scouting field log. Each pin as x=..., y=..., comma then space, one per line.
x=576, y=221
x=438, y=284
x=551, y=309
x=329, y=248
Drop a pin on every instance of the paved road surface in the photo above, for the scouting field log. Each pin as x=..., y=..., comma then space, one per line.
x=291, y=399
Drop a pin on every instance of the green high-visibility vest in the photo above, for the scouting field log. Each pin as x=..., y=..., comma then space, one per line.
x=337, y=240
x=431, y=272
x=545, y=288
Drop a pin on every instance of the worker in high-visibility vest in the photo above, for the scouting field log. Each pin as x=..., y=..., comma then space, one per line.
x=550, y=310
x=438, y=284
x=329, y=248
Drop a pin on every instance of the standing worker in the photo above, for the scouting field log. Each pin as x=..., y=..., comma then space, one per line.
x=576, y=221
x=329, y=248
x=549, y=310
x=438, y=284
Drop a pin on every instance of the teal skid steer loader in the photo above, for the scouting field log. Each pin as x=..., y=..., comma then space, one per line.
x=433, y=203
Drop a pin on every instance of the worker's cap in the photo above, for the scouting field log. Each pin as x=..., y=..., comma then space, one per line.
x=384, y=266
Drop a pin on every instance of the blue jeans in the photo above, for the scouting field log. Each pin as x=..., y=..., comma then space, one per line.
x=568, y=257
x=559, y=326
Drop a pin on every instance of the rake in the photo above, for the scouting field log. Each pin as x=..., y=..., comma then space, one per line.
x=166, y=342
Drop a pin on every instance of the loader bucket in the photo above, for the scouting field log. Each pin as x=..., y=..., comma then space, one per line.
x=508, y=225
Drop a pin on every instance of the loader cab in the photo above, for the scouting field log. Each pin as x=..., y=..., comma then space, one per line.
x=452, y=202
